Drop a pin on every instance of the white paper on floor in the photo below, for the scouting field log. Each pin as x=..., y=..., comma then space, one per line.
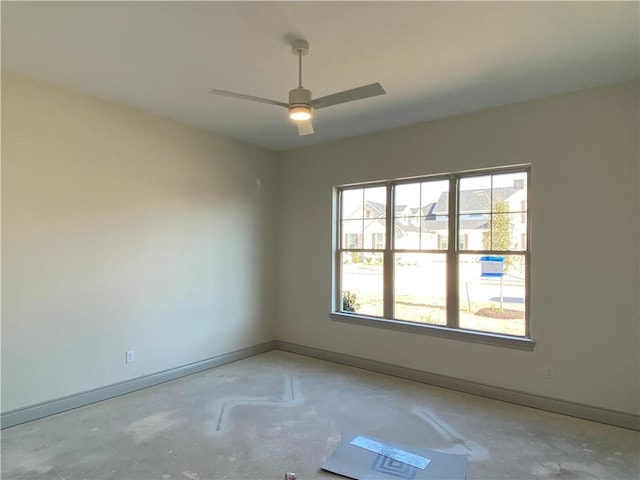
x=391, y=452
x=363, y=461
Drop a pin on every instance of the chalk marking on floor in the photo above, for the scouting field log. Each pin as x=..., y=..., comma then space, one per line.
x=287, y=399
x=470, y=449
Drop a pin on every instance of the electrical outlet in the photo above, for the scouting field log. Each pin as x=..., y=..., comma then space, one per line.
x=549, y=372
x=129, y=357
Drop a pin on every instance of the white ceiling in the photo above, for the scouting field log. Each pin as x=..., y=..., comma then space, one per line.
x=435, y=59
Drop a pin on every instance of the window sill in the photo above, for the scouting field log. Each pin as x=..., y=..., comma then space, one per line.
x=494, y=339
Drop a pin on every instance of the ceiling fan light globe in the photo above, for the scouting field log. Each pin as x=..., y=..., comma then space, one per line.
x=300, y=113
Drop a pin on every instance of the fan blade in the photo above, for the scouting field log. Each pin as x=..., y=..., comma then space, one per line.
x=305, y=127
x=242, y=96
x=358, y=93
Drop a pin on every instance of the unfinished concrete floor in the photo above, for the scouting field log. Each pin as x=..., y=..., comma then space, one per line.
x=278, y=412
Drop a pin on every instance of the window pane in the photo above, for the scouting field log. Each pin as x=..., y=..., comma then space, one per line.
x=352, y=236
x=407, y=233
x=377, y=241
x=506, y=232
x=421, y=214
x=375, y=202
x=435, y=233
x=407, y=198
x=493, y=212
x=492, y=293
x=434, y=193
x=406, y=225
x=374, y=234
x=475, y=195
x=435, y=215
x=362, y=283
x=420, y=284
x=509, y=190
x=474, y=232
x=435, y=199
x=352, y=203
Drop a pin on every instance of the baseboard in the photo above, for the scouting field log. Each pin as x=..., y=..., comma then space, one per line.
x=588, y=412
x=44, y=409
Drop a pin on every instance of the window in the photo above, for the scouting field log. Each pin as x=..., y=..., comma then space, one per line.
x=449, y=251
x=443, y=241
x=377, y=239
x=351, y=240
x=463, y=241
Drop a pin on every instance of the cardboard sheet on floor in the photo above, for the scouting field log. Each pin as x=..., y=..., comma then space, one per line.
x=371, y=458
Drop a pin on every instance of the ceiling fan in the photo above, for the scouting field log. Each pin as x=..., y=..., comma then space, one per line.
x=300, y=105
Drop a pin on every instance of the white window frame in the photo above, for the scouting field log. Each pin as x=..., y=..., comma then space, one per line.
x=453, y=252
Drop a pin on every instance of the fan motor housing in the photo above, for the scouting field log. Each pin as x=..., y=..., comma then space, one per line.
x=299, y=96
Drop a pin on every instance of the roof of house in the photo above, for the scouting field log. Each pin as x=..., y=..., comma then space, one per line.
x=465, y=224
x=380, y=208
x=474, y=201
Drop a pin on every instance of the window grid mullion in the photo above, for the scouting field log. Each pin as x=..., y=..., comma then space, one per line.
x=452, y=255
x=361, y=234
x=388, y=260
x=337, y=302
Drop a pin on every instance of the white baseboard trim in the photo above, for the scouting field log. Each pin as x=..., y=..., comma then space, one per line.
x=588, y=412
x=44, y=409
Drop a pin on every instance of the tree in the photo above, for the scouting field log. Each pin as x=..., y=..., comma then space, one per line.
x=499, y=235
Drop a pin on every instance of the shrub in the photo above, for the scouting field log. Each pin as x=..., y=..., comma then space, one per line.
x=349, y=301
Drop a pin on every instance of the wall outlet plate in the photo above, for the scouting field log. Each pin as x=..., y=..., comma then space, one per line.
x=129, y=356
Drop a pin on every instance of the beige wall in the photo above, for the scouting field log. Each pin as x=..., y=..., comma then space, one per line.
x=122, y=230
x=583, y=148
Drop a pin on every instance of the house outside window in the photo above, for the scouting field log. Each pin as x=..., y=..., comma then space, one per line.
x=463, y=241
x=351, y=240
x=424, y=261
x=377, y=240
